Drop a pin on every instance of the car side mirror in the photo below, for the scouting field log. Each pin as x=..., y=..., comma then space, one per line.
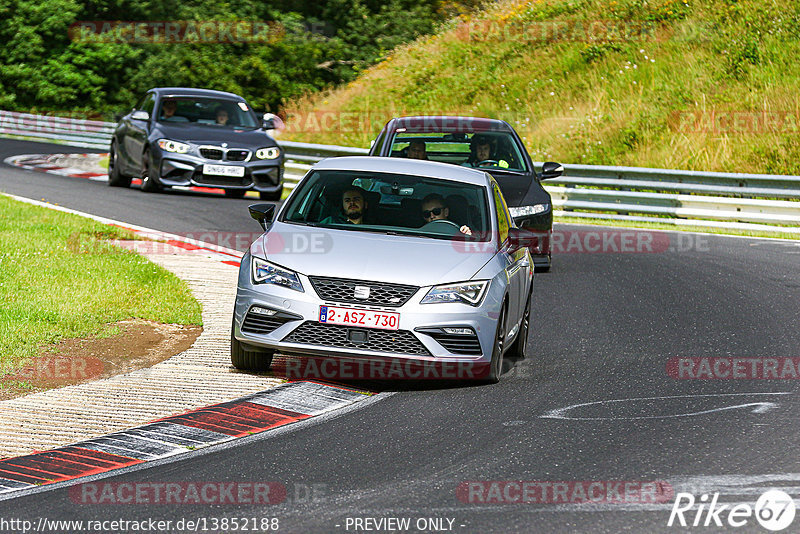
x=262, y=213
x=140, y=115
x=552, y=170
x=521, y=238
x=268, y=121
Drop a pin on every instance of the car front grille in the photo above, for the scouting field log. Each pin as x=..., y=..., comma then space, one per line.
x=344, y=290
x=258, y=323
x=328, y=335
x=211, y=153
x=237, y=155
x=218, y=153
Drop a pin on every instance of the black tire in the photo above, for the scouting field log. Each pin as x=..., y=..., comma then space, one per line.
x=518, y=350
x=115, y=177
x=496, y=365
x=275, y=195
x=249, y=360
x=149, y=184
x=235, y=193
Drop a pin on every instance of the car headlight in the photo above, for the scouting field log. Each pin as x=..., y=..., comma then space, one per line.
x=522, y=211
x=467, y=292
x=268, y=153
x=173, y=146
x=265, y=272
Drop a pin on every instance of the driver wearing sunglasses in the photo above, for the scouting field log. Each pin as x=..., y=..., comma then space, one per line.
x=435, y=209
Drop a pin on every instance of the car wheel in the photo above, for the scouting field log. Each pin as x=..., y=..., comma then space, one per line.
x=496, y=365
x=275, y=195
x=518, y=351
x=235, y=193
x=249, y=360
x=115, y=177
x=149, y=184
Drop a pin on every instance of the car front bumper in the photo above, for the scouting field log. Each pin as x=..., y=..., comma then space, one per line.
x=295, y=330
x=187, y=170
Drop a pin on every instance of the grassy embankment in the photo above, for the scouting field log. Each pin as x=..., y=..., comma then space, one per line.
x=60, y=278
x=619, y=101
x=711, y=85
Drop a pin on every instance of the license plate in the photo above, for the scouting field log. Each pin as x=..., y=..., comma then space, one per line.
x=223, y=170
x=354, y=317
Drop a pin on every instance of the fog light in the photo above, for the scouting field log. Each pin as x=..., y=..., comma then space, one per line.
x=258, y=310
x=458, y=331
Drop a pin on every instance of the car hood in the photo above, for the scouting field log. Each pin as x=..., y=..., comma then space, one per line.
x=202, y=134
x=371, y=256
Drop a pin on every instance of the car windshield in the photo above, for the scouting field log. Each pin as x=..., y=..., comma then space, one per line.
x=489, y=150
x=390, y=203
x=215, y=112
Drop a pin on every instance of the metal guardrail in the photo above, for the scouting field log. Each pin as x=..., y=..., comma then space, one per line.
x=752, y=201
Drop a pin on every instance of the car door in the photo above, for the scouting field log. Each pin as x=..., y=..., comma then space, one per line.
x=136, y=132
x=516, y=262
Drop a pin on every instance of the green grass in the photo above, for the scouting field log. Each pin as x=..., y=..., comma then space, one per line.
x=604, y=101
x=675, y=227
x=60, y=278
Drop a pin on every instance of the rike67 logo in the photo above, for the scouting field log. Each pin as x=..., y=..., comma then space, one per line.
x=774, y=511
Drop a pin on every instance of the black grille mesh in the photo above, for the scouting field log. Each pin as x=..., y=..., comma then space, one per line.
x=237, y=155
x=380, y=294
x=457, y=344
x=211, y=153
x=328, y=335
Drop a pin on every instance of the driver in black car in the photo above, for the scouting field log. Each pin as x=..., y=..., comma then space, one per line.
x=480, y=148
x=435, y=209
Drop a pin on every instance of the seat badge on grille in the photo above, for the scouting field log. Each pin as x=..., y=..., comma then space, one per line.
x=361, y=292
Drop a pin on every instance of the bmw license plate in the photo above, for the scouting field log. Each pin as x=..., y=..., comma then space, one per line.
x=354, y=317
x=236, y=171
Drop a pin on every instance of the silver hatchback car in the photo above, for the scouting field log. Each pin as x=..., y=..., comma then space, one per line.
x=404, y=266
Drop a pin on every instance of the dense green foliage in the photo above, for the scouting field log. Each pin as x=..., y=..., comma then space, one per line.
x=47, y=66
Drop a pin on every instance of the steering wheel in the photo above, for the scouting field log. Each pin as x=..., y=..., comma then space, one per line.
x=489, y=161
x=453, y=227
x=445, y=221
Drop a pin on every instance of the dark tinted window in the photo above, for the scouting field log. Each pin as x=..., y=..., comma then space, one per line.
x=392, y=203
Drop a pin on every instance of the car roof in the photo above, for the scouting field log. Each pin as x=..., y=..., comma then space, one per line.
x=191, y=91
x=415, y=167
x=449, y=123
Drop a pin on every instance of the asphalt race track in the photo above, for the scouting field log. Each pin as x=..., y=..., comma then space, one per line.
x=604, y=327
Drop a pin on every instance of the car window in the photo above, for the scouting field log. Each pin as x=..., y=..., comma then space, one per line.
x=148, y=104
x=503, y=216
x=214, y=112
x=391, y=203
x=500, y=150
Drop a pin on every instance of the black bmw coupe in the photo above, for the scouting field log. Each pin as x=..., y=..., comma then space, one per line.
x=178, y=136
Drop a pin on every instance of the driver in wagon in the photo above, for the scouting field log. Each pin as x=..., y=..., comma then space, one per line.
x=480, y=148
